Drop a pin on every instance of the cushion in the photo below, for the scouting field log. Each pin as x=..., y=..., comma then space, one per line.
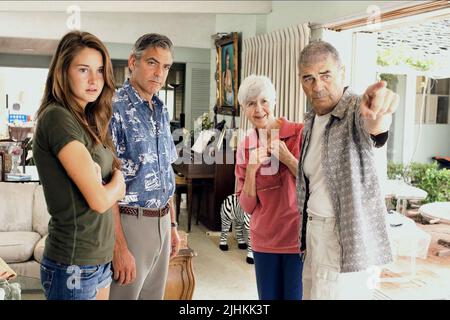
x=39, y=249
x=18, y=246
x=16, y=203
x=40, y=213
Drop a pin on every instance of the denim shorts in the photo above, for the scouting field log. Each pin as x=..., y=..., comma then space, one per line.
x=73, y=282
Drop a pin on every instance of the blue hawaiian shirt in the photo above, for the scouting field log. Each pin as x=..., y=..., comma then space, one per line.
x=145, y=147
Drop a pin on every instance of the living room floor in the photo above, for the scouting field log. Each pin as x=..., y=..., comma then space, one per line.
x=219, y=274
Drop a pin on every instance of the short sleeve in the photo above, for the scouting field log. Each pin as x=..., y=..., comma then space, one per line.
x=60, y=127
x=172, y=150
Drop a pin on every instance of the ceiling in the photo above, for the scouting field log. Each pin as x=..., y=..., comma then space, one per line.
x=212, y=7
x=199, y=11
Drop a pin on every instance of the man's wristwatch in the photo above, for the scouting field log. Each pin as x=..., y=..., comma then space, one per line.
x=174, y=224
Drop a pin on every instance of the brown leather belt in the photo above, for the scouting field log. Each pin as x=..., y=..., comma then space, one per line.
x=134, y=211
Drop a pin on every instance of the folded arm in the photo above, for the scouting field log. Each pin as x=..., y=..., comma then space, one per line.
x=80, y=167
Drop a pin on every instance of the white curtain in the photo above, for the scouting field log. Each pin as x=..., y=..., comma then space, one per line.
x=275, y=55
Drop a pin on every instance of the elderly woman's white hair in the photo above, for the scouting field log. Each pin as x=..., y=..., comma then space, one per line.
x=253, y=86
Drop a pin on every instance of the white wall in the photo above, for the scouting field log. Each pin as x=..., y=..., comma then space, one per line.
x=434, y=141
x=24, y=86
x=343, y=42
x=185, y=30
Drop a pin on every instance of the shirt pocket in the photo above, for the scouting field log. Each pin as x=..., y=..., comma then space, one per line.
x=267, y=183
x=46, y=279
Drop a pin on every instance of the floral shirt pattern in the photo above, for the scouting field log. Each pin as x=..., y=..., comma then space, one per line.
x=145, y=147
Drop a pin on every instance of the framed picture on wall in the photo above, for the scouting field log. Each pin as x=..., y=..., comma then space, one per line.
x=227, y=74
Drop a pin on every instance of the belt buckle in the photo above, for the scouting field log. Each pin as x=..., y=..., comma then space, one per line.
x=139, y=212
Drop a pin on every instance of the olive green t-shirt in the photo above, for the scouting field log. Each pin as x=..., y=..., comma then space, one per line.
x=77, y=234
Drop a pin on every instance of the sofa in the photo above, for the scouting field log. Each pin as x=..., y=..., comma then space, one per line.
x=23, y=227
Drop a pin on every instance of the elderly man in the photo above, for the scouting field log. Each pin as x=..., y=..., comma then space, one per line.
x=343, y=226
x=146, y=235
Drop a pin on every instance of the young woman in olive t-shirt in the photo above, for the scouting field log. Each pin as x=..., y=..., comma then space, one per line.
x=78, y=170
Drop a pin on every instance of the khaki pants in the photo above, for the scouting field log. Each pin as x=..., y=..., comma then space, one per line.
x=322, y=279
x=148, y=239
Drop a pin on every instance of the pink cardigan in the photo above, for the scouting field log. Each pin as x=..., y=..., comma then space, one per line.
x=275, y=220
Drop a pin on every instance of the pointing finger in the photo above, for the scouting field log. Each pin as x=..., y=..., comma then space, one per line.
x=378, y=102
x=365, y=110
x=393, y=104
x=373, y=89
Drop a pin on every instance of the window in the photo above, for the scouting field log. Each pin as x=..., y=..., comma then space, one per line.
x=442, y=110
x=435, y=109
x=172, y=94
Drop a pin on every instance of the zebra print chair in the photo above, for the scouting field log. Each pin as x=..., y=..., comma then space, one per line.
x=230, y=212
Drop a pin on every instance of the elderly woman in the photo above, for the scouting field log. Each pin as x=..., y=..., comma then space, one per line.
x=266, y=169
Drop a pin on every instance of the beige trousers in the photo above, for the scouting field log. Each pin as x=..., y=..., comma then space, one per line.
x=148, y=239
x=322, y=279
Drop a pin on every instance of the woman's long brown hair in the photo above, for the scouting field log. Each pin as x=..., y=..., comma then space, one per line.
x=95, y=117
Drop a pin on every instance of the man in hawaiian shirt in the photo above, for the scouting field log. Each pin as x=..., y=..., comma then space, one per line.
x=146, y=235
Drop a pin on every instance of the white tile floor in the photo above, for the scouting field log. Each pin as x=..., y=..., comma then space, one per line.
x=219, y=274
